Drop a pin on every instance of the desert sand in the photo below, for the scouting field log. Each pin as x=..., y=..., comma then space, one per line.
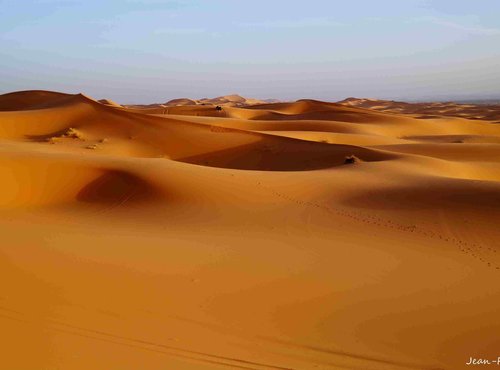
x=484, y=111
x=301, y=235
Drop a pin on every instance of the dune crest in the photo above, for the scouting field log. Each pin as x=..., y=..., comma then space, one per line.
x=233, y=100
x=109, y=102
x=489, y=112
x=242, y=233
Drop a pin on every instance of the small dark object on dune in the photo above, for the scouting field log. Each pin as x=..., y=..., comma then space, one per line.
x=218, y=108
x=351, y=159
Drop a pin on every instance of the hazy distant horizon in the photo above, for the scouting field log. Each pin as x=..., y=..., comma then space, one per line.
x=459, y=100
x=152, y=51
x=422, y=100
x=478, y=100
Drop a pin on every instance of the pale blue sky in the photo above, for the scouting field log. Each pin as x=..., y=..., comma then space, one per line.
x=153, y=50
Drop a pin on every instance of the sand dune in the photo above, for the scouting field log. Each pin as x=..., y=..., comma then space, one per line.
x=489, y=112
x=304, y=235
x=224, y=101
x=181, y=101
x=109, y=102
x=24, y=100
x=234, y=100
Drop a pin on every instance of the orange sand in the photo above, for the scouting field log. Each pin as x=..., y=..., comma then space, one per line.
x=182, y=237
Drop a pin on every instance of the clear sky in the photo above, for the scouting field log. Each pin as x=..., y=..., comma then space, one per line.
x=154, y=50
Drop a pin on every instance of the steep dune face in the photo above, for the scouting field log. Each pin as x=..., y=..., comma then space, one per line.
x=305, y=235
x=78, y=124
x=30, y=100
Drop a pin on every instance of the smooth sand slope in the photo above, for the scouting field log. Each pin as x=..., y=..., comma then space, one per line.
x=303, y=235
x=490, y=112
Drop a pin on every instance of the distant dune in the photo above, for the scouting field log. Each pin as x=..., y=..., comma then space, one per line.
x=109, y=102
x=490, y=112
x=361, y=234
x=228, y=100
x=182, y=101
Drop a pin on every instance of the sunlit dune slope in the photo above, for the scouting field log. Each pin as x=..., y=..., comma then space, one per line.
x=233, y=100
x=80, y=122
x=490, y=112
x=109, y=102
x=304, y=235
x=181, y=101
